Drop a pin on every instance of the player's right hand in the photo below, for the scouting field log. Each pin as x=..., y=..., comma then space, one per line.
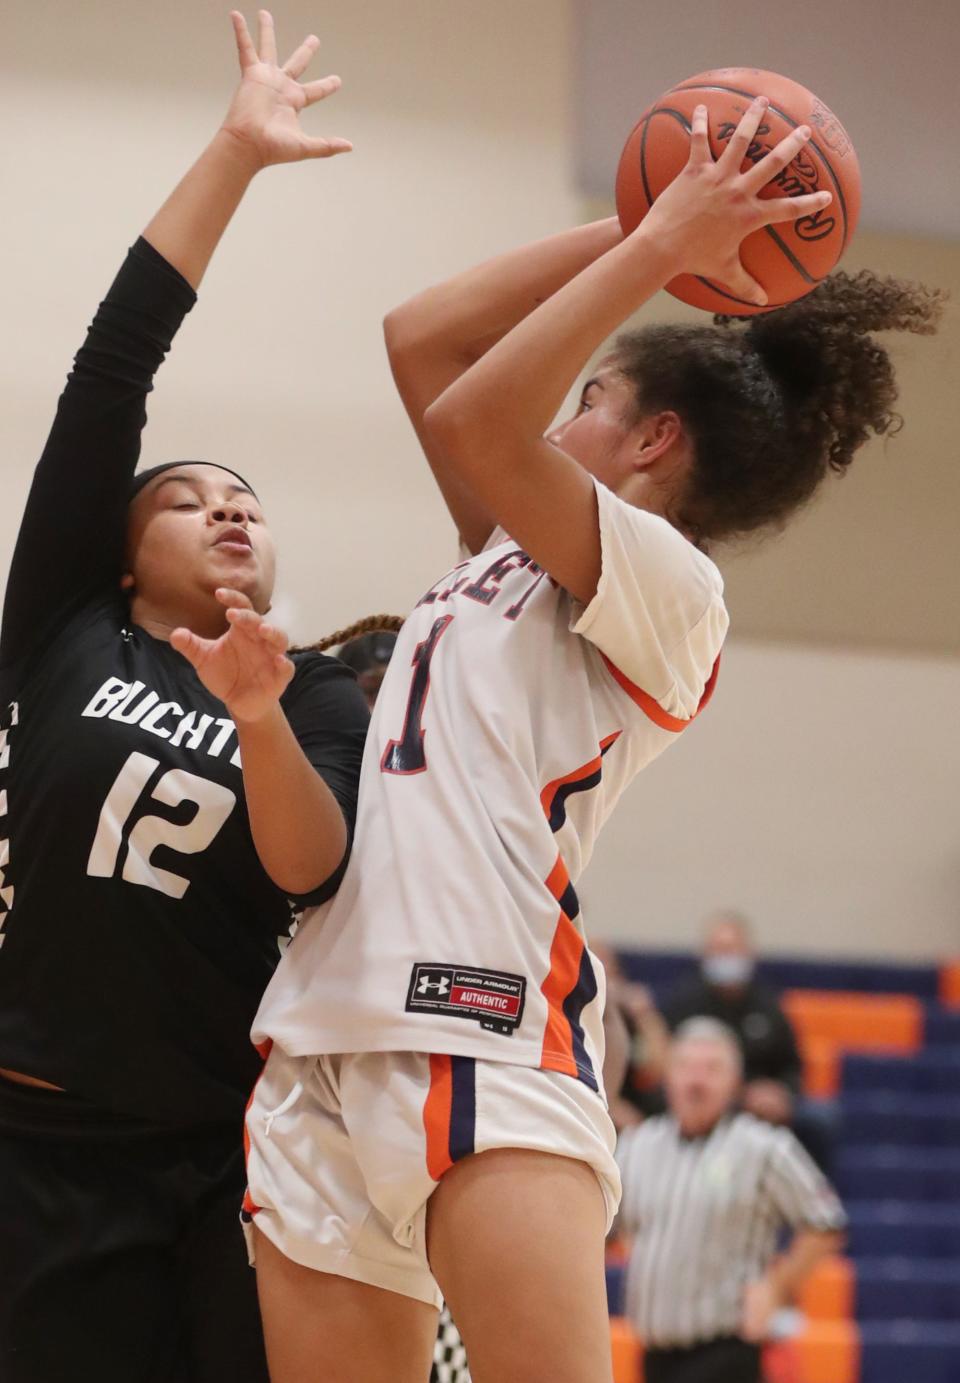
x=247, y=667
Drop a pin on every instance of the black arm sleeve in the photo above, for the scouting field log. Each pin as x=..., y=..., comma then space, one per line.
x=329, y=717
x=71, y=538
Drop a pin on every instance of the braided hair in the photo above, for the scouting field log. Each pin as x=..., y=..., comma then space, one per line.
x=372, y=624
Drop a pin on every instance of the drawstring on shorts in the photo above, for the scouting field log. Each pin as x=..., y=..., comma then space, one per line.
x=288, y=1103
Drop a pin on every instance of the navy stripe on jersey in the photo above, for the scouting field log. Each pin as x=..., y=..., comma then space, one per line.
x=583, y=993
x=569, y=902
x=558, y=808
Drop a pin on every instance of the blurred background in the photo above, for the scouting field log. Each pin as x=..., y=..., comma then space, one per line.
x=820, y=795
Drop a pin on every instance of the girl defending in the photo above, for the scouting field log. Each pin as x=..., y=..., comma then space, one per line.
x=156, y=821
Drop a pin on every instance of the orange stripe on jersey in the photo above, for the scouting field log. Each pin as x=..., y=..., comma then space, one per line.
x=437, y=1110
x=558, y=880
x=651, y=708
x=576, y=776
x=566, y=953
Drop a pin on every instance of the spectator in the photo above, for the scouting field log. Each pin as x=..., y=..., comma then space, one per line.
x=648, y=1036
x=707, y=1190
x=727, y=990
x=369, y=656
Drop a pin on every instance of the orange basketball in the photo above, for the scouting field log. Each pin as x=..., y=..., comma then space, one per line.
x=788, y=259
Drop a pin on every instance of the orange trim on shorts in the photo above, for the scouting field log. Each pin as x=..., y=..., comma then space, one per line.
x=249, y=1205
x=566, y=953
x=651, y=708
x=437, y=1109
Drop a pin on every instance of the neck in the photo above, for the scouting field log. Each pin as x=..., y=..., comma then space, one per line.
x=208, y=620
x=642, y=490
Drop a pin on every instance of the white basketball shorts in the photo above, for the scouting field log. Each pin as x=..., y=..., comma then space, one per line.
x=344, y=1151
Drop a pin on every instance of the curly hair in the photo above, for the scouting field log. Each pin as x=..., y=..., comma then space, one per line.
x=773, y=403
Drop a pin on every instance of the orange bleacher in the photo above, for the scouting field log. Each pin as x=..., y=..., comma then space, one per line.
x=950, y=984
x=828, y=1023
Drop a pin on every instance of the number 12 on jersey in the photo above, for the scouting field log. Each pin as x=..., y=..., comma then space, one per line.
x=119, y=821
x=407, y=755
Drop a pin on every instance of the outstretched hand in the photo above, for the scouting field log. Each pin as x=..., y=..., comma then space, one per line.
x=247, y=667
x=265, y=110
x=710, y=208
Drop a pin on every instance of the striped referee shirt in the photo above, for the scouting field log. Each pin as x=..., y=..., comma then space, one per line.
x=706, y=1214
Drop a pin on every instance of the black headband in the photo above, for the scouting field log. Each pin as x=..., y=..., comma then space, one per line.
x=144, y=477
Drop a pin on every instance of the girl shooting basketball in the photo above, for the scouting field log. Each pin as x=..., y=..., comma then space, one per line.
x=430, y=1119
x=156, y=820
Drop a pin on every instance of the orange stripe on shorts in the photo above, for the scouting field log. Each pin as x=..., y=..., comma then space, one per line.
x=264, y=1049
x=436, y=1115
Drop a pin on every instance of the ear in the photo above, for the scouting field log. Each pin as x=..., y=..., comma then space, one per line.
x=126, y=581
x=654, y=437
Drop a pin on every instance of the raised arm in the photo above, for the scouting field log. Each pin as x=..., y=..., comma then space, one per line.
x=71, y=537
x=489, y=424
x=436, y=336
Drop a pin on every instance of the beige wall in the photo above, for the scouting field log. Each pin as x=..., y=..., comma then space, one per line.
x=819, y=793
x=838, y=830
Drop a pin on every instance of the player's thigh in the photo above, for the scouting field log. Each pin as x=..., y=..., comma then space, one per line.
x=322, y=1328
x=516, y=1242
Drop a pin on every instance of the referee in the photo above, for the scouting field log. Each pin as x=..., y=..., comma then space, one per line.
x=707, y=1192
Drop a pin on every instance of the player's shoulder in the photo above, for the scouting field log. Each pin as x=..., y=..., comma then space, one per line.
x=309, y=662
x=318, y=677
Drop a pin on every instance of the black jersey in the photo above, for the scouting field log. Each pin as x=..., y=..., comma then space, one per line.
x=137, y=926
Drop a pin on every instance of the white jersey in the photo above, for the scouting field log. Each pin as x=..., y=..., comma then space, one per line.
x=509, y=723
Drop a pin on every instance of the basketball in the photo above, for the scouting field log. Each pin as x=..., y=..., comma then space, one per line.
x=788, y=259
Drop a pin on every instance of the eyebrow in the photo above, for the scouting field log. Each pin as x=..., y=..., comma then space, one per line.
x=589, y=383
x=192, y=480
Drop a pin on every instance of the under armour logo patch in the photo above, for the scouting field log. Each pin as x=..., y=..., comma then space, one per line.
x=491, y=998
x=428, y=985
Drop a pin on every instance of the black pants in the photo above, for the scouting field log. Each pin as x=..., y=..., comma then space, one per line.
x=122, y=1260
x=719, y=1361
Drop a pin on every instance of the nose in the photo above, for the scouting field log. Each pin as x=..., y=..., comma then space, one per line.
x=555, y=434
x=228, y=513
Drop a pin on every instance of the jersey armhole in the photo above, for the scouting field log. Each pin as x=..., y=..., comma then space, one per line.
x=651, y=708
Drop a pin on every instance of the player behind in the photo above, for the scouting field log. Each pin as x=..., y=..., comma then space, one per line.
x=430, y=1117
x=155, y=821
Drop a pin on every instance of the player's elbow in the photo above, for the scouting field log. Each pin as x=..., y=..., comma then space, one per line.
x=460, y=432
x=408, y=335
x=398, y=333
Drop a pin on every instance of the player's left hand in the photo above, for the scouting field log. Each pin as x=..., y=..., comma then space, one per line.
x=247, y=667
x=264, y=115
x=709, y=209
x=760, y=1304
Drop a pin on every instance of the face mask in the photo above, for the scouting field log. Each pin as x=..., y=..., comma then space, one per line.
x=726, y=969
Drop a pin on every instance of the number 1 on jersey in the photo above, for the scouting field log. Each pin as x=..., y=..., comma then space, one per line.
x=406, y=755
